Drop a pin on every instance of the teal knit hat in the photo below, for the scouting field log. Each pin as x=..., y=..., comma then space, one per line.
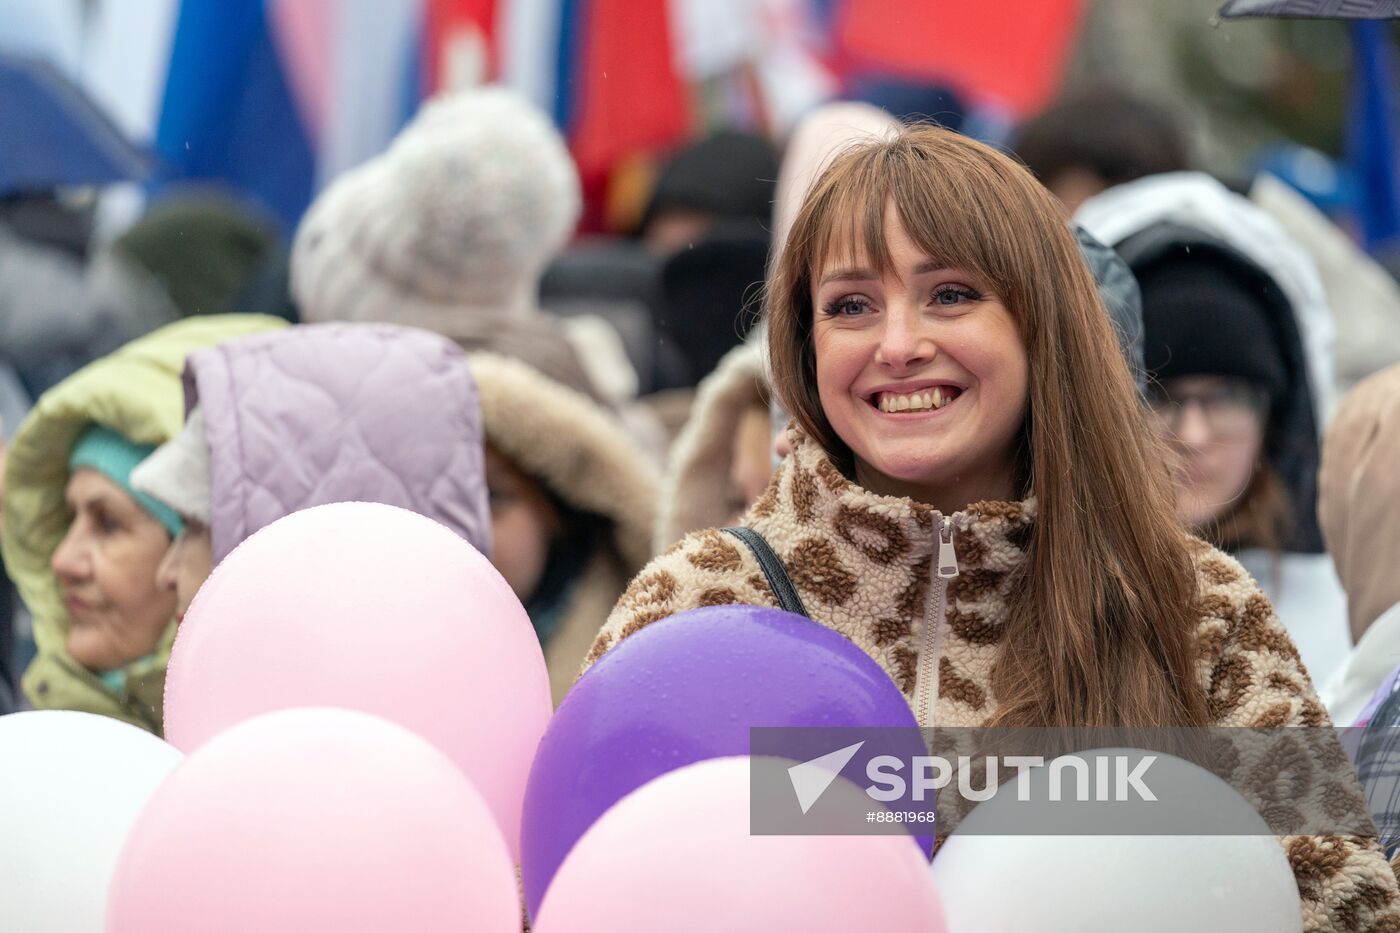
x=111, y=454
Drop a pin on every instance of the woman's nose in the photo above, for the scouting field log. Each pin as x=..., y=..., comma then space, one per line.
x=1192, y=426
x=902, y=344
x=71, y=560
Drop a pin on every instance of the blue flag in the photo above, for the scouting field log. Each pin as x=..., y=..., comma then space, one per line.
x=228, y=115
x=1373, y=134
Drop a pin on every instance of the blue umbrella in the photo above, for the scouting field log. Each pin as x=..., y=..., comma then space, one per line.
x=52, y=134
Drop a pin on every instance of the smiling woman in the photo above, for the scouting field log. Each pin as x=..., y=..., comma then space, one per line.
x=977, y=495
x=931, y=261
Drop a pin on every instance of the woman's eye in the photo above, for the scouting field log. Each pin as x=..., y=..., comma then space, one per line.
x=106, y=524
x=848, y=306
x=949, y=295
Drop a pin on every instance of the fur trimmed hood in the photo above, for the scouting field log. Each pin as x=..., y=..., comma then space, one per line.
x=578, y=451
x=695, y=492
x=572, y=445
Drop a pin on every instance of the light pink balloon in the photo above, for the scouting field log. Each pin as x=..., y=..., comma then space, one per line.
x=369, y=607
x=315, y=819
x=676, y=855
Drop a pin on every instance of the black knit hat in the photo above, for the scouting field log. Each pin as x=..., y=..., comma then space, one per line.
x=1205, y=316
x=709, y=295
x=729, y=174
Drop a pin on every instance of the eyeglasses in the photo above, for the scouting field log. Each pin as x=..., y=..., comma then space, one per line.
x=1230, y=409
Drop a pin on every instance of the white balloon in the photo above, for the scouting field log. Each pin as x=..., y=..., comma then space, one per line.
x=1113, y=884
x=71, y=786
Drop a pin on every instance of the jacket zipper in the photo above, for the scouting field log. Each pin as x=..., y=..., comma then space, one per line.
x=943, y=566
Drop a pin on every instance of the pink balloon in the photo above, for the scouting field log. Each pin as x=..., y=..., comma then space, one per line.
x=369, y=607
x=315, y=819
x=676, y=855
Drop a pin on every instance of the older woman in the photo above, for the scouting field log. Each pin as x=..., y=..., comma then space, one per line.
x=81, y=545
x=976, y=495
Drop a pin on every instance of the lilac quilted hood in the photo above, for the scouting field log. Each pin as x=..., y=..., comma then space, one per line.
x=335, y=413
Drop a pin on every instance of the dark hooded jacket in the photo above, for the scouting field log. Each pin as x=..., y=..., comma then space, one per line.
x=1191, y=212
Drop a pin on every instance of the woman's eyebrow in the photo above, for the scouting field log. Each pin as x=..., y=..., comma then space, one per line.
x=848, y=275
x=865, y=275
x=931, y=265
x=91, y=502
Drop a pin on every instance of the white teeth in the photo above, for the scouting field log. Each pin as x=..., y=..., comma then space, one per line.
x=919, y=401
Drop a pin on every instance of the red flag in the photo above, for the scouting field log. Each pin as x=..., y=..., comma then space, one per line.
x=631, y=96
x=460, y=38
x=1012, y=51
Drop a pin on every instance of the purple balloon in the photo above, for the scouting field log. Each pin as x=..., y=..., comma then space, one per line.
x=685, y=689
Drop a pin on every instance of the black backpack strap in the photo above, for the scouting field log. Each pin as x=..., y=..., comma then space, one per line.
x=772, y=565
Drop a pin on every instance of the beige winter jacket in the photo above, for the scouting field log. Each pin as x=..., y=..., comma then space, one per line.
x=864, y=565
x=1358, y=507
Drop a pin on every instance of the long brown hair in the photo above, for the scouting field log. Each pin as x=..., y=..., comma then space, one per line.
x=1102, y=629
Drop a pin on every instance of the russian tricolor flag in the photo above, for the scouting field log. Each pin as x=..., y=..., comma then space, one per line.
x=276, y=97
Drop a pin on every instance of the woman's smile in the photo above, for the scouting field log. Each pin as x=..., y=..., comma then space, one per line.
x=921, y=372
x=914, y=399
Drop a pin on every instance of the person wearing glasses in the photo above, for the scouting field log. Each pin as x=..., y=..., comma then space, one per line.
x=1237, y=345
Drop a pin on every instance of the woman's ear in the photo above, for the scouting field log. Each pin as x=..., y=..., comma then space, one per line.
x=167, y=575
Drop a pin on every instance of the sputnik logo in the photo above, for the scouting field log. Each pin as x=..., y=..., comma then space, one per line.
x=810, y=779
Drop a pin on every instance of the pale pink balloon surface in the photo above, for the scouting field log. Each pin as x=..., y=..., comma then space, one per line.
x=315, y=819
x=369, y=607
x=676, y=855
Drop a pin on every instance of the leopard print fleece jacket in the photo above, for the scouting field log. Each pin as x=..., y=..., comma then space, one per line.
x=862, y=565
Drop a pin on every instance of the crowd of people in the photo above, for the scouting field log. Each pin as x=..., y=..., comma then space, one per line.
x=1073, y=436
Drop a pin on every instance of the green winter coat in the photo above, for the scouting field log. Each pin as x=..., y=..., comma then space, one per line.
x=136, y=391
